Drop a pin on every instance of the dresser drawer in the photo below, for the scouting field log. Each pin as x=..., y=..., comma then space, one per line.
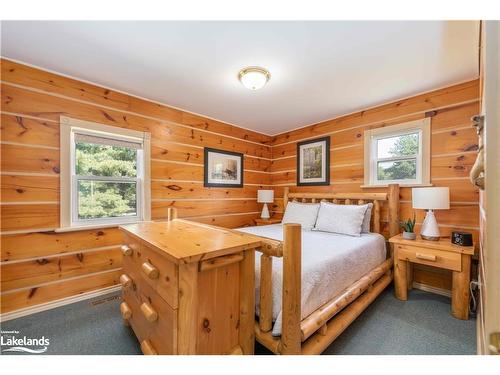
x=430, y=257
x=159, y=273
x=145, y=303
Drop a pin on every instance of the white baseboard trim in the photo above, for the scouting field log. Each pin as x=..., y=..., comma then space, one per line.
x=432, y=289
x=57, y=303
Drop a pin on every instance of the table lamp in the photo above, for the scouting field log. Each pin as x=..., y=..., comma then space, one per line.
x=265, y=196
x=431, y=198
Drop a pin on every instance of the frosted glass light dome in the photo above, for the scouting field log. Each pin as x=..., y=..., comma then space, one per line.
x=254, y=78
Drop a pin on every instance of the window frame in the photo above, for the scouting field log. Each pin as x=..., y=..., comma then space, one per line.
x=69, y=179
x=371, y=160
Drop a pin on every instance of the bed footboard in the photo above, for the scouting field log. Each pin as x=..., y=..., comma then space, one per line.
x=290, y=250
x=316, y=332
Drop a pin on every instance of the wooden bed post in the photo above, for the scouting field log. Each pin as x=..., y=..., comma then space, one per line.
x=171, y=213
x=393, y=198
x=291, y=298
x=266, y=293
x=286, y=190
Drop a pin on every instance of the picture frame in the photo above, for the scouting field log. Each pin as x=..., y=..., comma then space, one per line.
x=313, y=162
x=223, y=168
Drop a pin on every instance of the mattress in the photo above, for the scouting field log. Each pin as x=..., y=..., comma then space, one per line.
x=330, y=263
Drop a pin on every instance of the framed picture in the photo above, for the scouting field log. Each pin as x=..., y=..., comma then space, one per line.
x=223, y=168
x=313, y=162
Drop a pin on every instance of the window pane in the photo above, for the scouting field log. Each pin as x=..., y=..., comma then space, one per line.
x=397, y=170
x=402, y=145
x=100, y=199
x=102, y=160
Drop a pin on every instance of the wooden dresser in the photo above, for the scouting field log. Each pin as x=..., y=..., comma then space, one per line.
x=188, y=288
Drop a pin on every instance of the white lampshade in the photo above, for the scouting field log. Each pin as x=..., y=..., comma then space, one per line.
x=431, y=198
x=265, y=196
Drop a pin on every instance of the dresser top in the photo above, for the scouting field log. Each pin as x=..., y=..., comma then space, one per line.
x=184, y=241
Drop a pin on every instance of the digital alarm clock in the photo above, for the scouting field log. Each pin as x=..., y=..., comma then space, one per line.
x=461, y=238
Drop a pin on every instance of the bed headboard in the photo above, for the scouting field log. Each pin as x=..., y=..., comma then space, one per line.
x=389, y=198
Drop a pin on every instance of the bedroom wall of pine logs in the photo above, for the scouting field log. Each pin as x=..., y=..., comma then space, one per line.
x=39, y=265
x=453, y=152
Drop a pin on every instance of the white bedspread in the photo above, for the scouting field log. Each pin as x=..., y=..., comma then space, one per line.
x=330, y=263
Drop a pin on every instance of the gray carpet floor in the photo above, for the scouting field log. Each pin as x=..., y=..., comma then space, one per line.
x=421, y=325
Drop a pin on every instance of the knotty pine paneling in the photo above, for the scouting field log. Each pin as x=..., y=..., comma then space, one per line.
x=343, y=156
x=228, y=221
x=28, y=297
x=451, y=96
x=185, y=190
x=29, y=188
x=52, y=83
x=32, y=102
x=453, y=152
x=16, y=247
x=29, y=216
x=195, y=155
x=29, y=131
x=452, y=166
x=43, y=270
x=190, y=172
x=29, y=159
x=446, y=166
x=436, y=277
x=191, y=208
x=454, y=141
x=23, y=101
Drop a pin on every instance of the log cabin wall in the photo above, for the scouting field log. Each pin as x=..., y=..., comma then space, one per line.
x=453, y=151
x=39, y=265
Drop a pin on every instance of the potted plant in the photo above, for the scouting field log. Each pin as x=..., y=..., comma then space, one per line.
x=409, y=229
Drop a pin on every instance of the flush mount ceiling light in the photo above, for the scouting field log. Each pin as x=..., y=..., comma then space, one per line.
x=253, y=77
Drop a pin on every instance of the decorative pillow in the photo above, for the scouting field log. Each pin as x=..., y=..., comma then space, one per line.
x=365, y=228
x=341, y=219
x=304, y=214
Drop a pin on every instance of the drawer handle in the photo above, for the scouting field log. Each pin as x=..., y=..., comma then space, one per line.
x=431, y=258
x=149, y=313
x=126, y=250
x=150, y=270
x=126, y=281
x=147, y=348
x=125, y=310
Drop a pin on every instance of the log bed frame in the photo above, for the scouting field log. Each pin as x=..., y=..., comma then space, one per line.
x=313, y=334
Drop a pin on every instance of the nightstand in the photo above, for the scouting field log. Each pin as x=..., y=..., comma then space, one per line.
x=442, y=254
x=270, y=221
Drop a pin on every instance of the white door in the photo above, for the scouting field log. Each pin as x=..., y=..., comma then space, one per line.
x=489, y=317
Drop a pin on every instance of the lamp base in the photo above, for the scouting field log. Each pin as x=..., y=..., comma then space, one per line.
x=430, y=238
x=430, y=228
x=265, y=212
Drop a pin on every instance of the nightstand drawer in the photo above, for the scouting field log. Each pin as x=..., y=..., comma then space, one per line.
x=430, y=257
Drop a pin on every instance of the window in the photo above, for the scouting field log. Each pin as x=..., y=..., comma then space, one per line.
x=398, y=154
x=104, y=175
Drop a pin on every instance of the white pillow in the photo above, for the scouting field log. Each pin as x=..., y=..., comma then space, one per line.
x=304, y=214
x=365, y=228
x=340, y=218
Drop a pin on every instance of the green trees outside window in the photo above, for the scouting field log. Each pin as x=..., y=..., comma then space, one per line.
x=405, y=169
x=113, y=195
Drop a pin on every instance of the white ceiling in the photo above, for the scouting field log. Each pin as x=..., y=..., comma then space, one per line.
x=319, y=70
